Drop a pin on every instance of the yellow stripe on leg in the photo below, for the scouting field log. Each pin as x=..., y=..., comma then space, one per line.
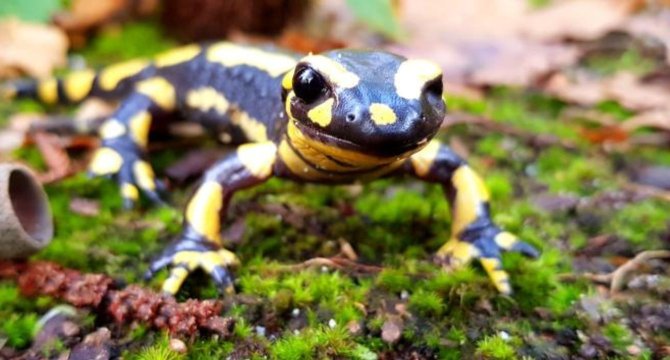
x=105, y=161
x=175, y=280
x=202, y=211
x=471, y=194
x=144, y=175
x=506, y=240
x=498, y=276
x=459, y=253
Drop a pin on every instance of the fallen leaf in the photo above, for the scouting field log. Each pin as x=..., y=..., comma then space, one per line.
x=85, y=207
x=31, y=49
x=84, y=15
x=658, y=119
x=577, y=19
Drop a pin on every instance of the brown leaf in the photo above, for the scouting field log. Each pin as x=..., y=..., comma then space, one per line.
x=659, y=119
x=626, y=88
x=31, y=49
x=576, y=19
x=85, y=14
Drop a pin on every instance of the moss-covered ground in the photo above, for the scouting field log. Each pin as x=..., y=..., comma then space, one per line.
x=396, y=224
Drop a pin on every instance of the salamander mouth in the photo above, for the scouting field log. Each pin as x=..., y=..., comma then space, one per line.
x=397, y=151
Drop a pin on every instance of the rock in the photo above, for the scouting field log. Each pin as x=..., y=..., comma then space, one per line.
x=392, y=330
x=96, y=346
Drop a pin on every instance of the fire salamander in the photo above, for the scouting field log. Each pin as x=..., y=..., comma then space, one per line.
x=337, y=117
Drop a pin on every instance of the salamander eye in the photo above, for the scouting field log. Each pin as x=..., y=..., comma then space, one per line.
x=309, y=85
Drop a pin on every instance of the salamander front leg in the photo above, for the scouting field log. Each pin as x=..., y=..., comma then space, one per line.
x=200, y=245
x=474, y=235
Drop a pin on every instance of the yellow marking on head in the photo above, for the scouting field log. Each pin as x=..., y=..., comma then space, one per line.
x=343, y=155
x=287, y=81
x=160, y=91
x=202, y=211
x=206, y=99
x=460, y=253
x=47, y=91
x=110, y=77
x=498, y=276
x=413, y=75
x=506, y=240
x=258, y=158
x=130, y=191
x=144, y=175
x=140, y=124
x=471, y=194
x=78, y=84
x=253, y=129
x=334, y=71
x=382, y=114
x=176, y=56
x=105, y=161
x=320, y=160
x=423, y=160
x=230, y=55
x=322, y=114
x=111, y=128
x=177, y=276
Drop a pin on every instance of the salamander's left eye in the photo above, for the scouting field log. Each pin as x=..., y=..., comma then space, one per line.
x=309, y=85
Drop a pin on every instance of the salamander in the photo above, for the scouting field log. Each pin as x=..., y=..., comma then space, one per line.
x=330, y=118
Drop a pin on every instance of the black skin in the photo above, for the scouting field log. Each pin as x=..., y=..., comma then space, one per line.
x=301, y=146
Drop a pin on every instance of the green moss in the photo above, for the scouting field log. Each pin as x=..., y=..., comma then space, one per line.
x=19, y=329
x=619, y=335
x=427, y=303
x=630, y=60
x=158, y=351
x=133, y=40
x=495, y=347
x=319, y=343
x=563, y=171
x=641, y=223
x=393, y=280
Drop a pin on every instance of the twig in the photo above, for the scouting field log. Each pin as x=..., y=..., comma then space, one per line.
x=617, y=278
x=648, y=190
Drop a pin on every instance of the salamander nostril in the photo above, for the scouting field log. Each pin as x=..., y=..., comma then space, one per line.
x=351, y=117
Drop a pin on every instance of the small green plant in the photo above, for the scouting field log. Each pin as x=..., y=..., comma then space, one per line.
x=495, y=348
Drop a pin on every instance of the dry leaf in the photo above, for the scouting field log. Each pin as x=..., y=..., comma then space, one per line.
x=85, y=14
x=659, y=119
x=31, y=49
x=651, y=25
x=577, y=19
x=626, y=88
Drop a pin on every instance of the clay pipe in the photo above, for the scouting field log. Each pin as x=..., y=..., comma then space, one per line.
x=26, y=224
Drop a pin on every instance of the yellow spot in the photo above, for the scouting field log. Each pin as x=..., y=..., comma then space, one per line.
x=413, y=75
x=459, y=253
x=258, y=158
x=111, y=128
x=110, y=77
x=230, y=55
x=287, y=81
x=382, y=114
x=202, y=211
x=160, y=91
x=172, y=284
x=144, y=175
x=47, y=91
x=506, y=240
x=105, y=161
x=129, y=191
x=253, y=129
x=423, y=160
x=176, y=56
x=471, y=194
x=77, y=85
x=206, y=99
x=322, y=114
x=498, y=276
x=334, y=71
x=140, y=124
